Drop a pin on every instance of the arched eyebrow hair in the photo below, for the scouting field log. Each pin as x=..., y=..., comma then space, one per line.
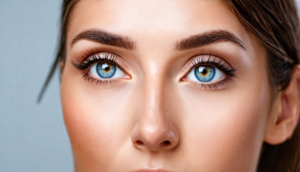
x=208, y=38
x=185, y=44
x=105, y=38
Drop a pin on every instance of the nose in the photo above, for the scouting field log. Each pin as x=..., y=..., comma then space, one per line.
x=154, y=130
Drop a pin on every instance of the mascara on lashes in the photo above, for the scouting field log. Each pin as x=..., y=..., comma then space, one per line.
x=229, y=71
x=87, y=61
x=216, y=62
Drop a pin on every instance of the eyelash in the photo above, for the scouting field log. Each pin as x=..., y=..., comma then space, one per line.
x=92, y=58
x=88, y=60
x=228, y=70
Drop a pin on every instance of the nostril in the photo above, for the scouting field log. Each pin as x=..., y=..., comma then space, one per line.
x=166, y=143
x=138, y=142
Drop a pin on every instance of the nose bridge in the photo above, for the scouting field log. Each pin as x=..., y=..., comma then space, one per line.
x=154, y=104
x=154, y=130
x=154, y=86
x=153, y=124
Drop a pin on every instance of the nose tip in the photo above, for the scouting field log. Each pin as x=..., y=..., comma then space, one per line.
x=155, y=138
x=155, y=128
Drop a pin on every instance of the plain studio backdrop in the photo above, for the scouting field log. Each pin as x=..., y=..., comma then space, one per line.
x=33, y=137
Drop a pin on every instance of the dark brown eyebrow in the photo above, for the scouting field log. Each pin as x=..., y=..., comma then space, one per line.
x=208, y=38
x=105, y=38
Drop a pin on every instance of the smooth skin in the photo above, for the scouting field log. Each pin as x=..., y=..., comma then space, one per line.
x=155, y=117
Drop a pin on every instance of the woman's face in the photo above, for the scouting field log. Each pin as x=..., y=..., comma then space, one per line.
x=178, y=85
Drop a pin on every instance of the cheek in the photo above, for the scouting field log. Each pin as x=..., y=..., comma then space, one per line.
x=94, y=120
x=226, y=126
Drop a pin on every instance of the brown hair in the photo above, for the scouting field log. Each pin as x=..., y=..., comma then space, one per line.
x=275, y=23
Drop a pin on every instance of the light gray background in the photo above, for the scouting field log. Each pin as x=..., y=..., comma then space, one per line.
x=32, y=136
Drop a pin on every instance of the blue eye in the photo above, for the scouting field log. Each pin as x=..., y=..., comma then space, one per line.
x=205, y=73
x=104, y=70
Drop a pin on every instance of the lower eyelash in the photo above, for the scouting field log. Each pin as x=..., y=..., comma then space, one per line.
x=213, y=86
x=96, y=81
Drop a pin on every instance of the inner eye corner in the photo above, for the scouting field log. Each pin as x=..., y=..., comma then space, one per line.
x=184, y=78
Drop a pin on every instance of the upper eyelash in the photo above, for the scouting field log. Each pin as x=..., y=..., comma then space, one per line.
x=87, y=61
x=216, y=62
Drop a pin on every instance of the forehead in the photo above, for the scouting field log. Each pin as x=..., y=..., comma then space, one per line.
x=154, y=18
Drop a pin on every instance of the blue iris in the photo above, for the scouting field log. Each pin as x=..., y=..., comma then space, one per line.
x=205, y=73
x=106, y=70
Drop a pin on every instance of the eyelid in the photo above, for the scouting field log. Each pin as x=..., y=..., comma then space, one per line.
x=208, y=60
x=90, y=58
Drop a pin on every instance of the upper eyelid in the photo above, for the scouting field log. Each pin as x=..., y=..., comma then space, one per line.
x=88, y=56
x=200, y=60
x=112, y=56
x=204, y=59
x=87, y=62
x=189, y=65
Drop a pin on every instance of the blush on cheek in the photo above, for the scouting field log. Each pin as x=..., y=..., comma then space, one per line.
x=87, y=134
x=226, y=127
x=94, y=124
x=248, y=126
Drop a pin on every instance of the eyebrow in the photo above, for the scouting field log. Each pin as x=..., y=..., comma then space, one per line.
x=208, y=38
x=106, y=38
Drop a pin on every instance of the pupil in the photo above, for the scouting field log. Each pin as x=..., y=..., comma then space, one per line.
x=106, y=67
x=204, y=71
